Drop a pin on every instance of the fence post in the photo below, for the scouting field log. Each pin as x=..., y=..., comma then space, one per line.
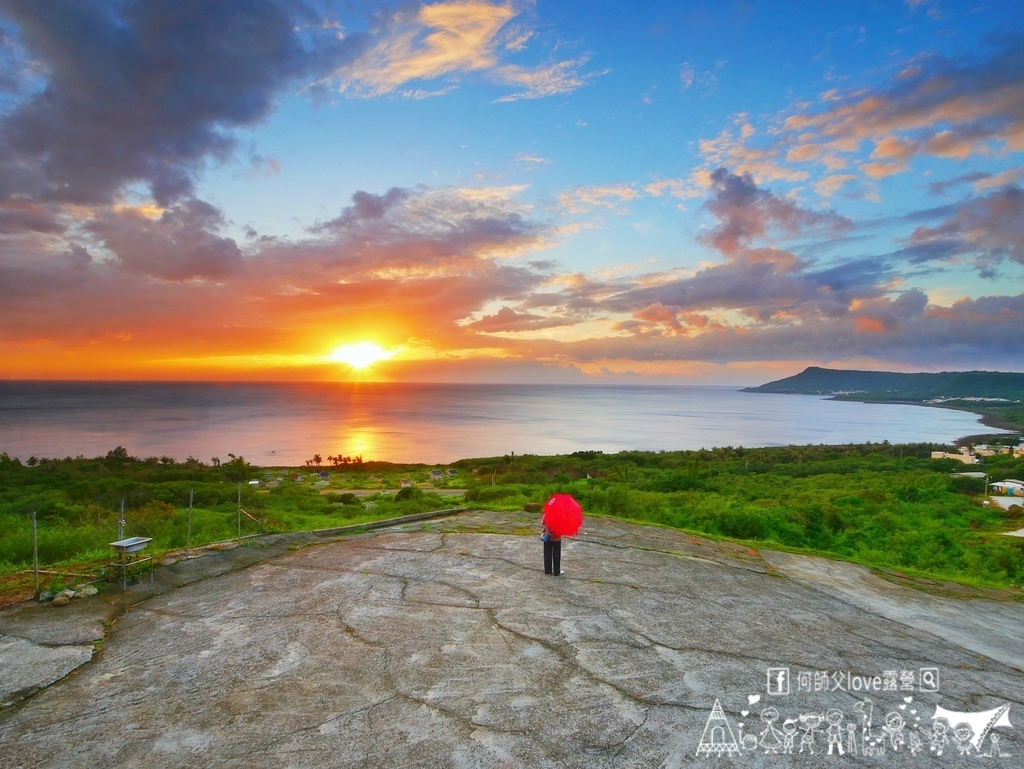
x=239, y=511
x=188, y=536
x=35, y=552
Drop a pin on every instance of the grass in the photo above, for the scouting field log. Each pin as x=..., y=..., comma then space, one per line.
x=887, y=507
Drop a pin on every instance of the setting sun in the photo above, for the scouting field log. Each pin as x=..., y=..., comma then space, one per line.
x=360, y=355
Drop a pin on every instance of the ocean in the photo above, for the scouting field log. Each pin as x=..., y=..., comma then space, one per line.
x=287, y=423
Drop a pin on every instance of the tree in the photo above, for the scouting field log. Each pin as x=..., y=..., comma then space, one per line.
x=237, y=469
x=118, y=455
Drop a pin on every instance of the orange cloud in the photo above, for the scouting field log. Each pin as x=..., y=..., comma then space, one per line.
x=868, y=325
x=943, y=107
x=447, y=39
x=584, y=199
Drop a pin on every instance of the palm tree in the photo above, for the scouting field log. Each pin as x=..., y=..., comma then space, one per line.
x=317, y=460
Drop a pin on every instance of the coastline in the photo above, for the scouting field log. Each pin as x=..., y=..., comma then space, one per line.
x=988, y=418
x=278, y=425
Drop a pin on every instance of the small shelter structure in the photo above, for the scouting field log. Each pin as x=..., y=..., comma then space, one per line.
x=718, y=738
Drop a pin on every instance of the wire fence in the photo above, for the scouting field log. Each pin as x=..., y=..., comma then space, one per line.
x=95, y=561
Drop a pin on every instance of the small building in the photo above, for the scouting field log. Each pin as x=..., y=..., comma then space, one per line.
x=436, y=475
x=451, y=472
x=961, y=456
x=405, y=483
x=1008, y=488
x=984, y=450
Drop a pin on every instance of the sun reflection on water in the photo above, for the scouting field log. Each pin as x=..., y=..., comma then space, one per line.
x=364, y=441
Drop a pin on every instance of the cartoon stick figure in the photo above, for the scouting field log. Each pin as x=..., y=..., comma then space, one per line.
x=962, y=737
x=771, y=737
x=993, y=749
x=834, y=718
x=788, y=735
x=894, y=728
x=939, y=738
x=811, y=722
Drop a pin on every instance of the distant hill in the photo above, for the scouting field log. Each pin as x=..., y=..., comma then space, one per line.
x=887, y=385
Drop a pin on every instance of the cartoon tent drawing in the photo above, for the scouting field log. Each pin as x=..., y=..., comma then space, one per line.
x=718, y=738
x=981, y=723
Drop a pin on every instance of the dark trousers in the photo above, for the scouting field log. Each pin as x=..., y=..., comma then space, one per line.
x=553, y=557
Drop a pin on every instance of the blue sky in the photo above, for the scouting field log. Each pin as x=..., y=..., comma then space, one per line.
x=491, y=191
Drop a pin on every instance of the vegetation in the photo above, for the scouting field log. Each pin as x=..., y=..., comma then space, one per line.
x=882, y=505
x=886, y=385
x=888, y=506
x=997, y=396
x=78, y=503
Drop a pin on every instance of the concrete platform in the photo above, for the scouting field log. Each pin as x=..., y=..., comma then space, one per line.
x=442, y=644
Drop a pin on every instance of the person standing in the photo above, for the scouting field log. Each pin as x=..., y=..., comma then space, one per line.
x=552, y=551
x=562, y=517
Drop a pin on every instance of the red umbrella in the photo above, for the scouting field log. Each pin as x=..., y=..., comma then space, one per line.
x=563, y=515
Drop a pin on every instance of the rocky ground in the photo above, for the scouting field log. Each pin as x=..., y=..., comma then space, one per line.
x=443, y=644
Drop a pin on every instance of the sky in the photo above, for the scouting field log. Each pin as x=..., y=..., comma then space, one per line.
x=542, y=192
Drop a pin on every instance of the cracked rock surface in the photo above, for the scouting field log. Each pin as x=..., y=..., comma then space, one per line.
x=445, y=645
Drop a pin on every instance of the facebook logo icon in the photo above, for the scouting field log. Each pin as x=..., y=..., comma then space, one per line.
x=778, y=681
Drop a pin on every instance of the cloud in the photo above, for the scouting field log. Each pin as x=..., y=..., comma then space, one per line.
x=530, y=160
x=941, y=106
x=987, y=229
x=449, y=41
x=759, y=283
x=393, y=265
x=906, y=330
x=584, y=199
x=946, y=107
x=546, y=80
x=432, y=230
x=179, y=245
x=23, y=216
x=687, y=75
x=746, y=212
x=740, y=152
x=146, y=91
x=508, y=320
x=426, y=43
x=980, y=180
x=759, y=291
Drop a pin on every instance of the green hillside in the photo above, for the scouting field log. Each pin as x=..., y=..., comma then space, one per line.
x=886, y=385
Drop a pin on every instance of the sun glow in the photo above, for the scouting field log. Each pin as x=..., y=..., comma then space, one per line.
x=359, y=356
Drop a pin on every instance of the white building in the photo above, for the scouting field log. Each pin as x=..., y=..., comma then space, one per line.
x=1008, y=488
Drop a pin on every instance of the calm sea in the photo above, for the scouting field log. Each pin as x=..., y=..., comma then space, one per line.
x=287, y=423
